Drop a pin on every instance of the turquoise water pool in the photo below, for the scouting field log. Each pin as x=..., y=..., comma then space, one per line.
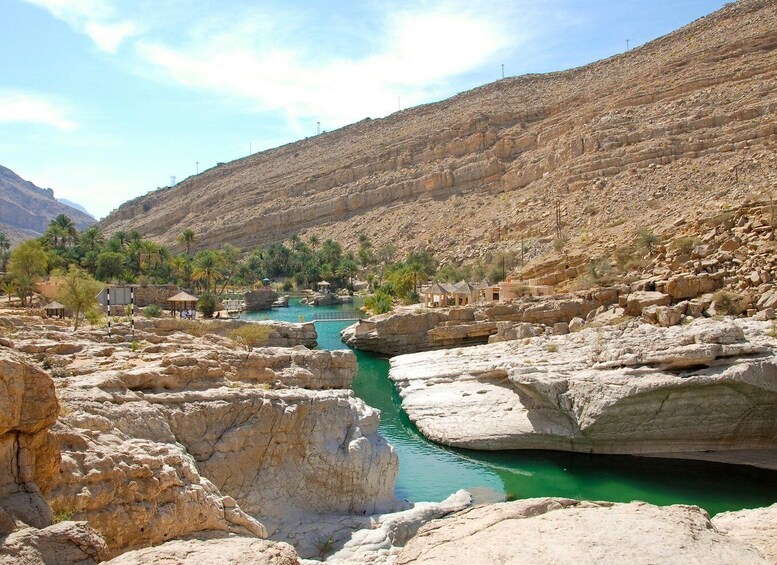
x=432, y=472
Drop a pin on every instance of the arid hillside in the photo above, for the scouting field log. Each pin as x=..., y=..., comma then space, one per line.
x=26, y=209
x=679, y=128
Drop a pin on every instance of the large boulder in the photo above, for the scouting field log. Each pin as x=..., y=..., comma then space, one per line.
x=636, y=389
x=756, y=527
x=233, y=550
x=553, y=530
x=195, y=434
x=29, y=456
x=638, y=301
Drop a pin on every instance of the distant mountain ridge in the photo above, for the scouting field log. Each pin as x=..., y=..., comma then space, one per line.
x=75, y=205
x=27, y=209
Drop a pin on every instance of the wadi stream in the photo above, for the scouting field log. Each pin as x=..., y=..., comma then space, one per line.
x=429, y=472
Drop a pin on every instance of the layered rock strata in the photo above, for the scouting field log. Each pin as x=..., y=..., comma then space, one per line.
x=429, y=329
x=29, y=465
x=179, y=435
x=634, y=388
x=642, y=138
x=281, y=334
x=555, y=530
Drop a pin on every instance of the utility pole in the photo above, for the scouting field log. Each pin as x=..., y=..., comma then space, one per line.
x=198, y=168
x=250, y=147
x=318, y=128
x=627, y=45
x=503, y=70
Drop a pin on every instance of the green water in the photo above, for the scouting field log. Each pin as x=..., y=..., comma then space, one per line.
x=431, y=472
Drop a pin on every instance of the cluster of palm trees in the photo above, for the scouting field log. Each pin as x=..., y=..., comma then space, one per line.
x=126, y=256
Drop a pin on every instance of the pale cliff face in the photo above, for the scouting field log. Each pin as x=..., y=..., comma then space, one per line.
x=186, y=434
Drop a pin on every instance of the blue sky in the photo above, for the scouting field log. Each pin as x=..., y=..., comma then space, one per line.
x=105, y=100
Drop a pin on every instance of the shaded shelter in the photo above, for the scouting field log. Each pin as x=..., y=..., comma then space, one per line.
x=464, y=293
x=435, y=296
x=181, y=302
x=54, y=309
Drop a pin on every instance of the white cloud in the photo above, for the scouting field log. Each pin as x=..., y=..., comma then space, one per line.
x=26, y=107
x=415, y=57
x=96, y=18
x=108, y=37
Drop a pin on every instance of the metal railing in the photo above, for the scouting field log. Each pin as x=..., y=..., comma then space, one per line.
x=340, y=315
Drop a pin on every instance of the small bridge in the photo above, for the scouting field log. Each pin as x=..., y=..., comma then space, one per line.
x=338, y=316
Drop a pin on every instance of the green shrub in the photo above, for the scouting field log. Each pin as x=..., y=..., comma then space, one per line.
x=627, y=259
x=727, y=303
x=152, y=311
x=379, y=303
x=250, y=335
x=63, y=516
x=685, y=244
x=560, y=242
x=647, y=240
x=600, y=270
x=207, y=304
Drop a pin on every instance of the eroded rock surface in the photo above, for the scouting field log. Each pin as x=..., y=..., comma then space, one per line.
x=636, y=388
x=170, y=435
x=232, y=549
x=29, y=465
x=397, y=333
x=555, y=530
x=757, y=527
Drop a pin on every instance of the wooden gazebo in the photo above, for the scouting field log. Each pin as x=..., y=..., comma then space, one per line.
x=435, y=296
x=464, y=293
x=181, y=302
x=54, y=309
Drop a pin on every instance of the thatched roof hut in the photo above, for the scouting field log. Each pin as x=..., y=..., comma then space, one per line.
x=182, y=301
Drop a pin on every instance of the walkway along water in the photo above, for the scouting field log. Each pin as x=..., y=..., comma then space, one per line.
x=431, y=472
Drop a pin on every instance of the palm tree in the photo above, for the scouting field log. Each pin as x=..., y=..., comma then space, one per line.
x=53, y=237
x=9, y=288
x=313, y=241
x=91, y=239
x=121, y=237
x=67, y=229
x=154, y=254
x=206, y=266
x=5, y=243
x=187, y=237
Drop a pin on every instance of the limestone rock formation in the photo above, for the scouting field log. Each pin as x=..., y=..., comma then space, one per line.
x=233, y=550
x=29, y=466
x=385, y=535
x=260, y=299
x=29, y=458
x=554, y=530
x=282, y=334
x=756, y=527
x=68, y=543
x=172, y=435
x=411, y=331
x=634, y=388
x=664, y=131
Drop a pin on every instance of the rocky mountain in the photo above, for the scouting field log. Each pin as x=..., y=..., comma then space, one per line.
x=682, y=125
x=75, y=205
x=26, y=209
